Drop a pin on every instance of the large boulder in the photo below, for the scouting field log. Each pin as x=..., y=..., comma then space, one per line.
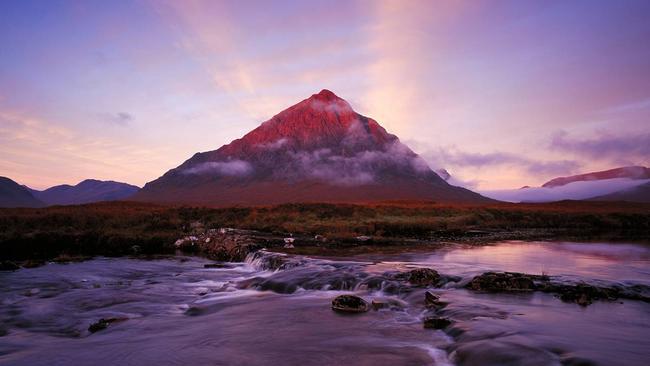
x=502, y=282
x=584, y=294
x=350, y=304
x=421, y=277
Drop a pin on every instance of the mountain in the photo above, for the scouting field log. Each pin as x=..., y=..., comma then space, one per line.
x=639, y=193
x=13, y=194
x=630, y=172
x=624, y=184
x=90, y=190
x=319, y=150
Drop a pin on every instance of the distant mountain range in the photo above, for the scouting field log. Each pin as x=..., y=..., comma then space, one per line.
x=319, y=150
x=90, y=190
x=630, y=183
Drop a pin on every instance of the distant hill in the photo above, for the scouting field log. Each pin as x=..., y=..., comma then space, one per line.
x=13, y=194
x=635, y=194
x=624, y=183
x=319, y=150
x=90, y=190
x=631, y=172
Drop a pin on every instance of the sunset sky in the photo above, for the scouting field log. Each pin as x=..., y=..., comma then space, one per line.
x=500, y=93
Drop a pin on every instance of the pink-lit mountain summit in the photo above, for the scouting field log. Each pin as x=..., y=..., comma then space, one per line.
x=319, y=150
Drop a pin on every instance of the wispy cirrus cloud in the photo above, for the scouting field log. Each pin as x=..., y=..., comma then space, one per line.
x=634, y=106
x=42, y=153
x=628, y=148
x=447, y=157
x=252, y=67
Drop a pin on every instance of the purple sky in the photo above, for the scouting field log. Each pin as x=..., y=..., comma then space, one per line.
x=500, y=93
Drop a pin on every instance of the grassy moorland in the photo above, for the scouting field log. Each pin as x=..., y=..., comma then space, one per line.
x=114, y=228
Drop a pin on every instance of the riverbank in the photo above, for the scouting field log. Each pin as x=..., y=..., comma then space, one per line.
x=126, y=228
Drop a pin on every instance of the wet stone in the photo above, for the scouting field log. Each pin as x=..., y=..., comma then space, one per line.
x=422, y=277
x=350, y=304
x=434, y=322
x=432, y=301
x=583, y=294
x=65, y=259
x=8, y=266
x=194, y=311
x=430, y=298
x=103, y=323
x=33, y=263
x=217, y=265
x=378, y=304
x=392, y=304
x=502, y=281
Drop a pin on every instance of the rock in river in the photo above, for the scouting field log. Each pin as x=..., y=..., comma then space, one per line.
x=432, y=301
x=423, y=277
x=218, y=265
x=350, y=304
x=8, y=266
x=103, y=323
x=434, y=322
x=584, y=294
x=502, y=281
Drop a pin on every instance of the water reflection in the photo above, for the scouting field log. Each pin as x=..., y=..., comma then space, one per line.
x=616, y=262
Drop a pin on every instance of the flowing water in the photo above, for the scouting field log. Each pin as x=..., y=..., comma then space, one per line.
x=175, y=312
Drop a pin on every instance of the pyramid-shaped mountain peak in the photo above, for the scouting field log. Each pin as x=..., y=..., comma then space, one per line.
x=326, y=95
x=318, y=150
x=321, y=121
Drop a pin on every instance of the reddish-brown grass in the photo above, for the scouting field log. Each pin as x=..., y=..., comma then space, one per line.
x=112, y=228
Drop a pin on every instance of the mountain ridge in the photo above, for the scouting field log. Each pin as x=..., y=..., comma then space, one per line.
x=86, y=191
x=632, y=172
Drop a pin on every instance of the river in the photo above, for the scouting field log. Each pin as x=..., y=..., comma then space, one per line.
x=173, y=311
